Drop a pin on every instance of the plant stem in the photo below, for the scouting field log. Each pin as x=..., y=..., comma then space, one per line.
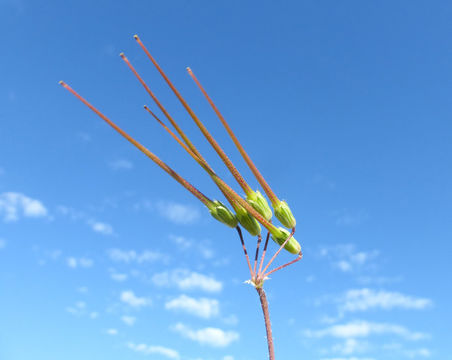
x=268, y=325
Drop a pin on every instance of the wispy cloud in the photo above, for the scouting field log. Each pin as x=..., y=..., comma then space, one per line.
x=200, y=247
x=128, y=320
x=47, y=255
x=350, y=346
x=102, y=228
x=120, y=164
x=76, y=215
x=364, y=299
x=82, y=262
x=128, y=256
x=154, y=350
x=73, y=262
x=118, y=277
x=13, y=205
x=201, y=307
x=112, y=332
x=348, y=358
x=398, y=349
x=230, y=320
x=131, y=299
x=187, y=280
x=78, y=309
x=346, y=217
x=178, y=213
x=182, y=243
x=364, y=329
x=83, y=136
x=379, y=280
x=346, y=258
x=71, y=213
x=93, y=315
x=207, y=336
x=422, y=352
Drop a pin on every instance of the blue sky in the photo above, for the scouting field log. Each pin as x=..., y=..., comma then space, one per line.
x=344, y=107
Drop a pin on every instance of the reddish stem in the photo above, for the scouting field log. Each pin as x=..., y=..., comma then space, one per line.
x=279, y=250
x=268, y=325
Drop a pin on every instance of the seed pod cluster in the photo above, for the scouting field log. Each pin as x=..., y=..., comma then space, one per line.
x=251, y=212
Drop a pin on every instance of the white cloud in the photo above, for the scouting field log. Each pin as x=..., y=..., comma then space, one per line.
x=70, y=212
x=202, y=307
x=347, y=218
x=379, y=280
x=346, y=258
x=187, y=280
x=85, y=262
x=127, y=256
x=350, y=346
x=46, y=255
x=71, y=262
x=231, y=320
x=74, y=263
x=228, y=357
x=198, y=247
x=76, y=215
x=101, y=228
x=13, y=205
x=129, y=320
x=181, y=241
x=364, y=329
x=348, y=358
x=364, y=299
x=93, y=315
x=118, y=277
x=121, y=164
x=131, y=299
x=153, y=349
x=112, y=332
x=178, y=213
x=344, y=266
x=78, y=309
x=207, y=336
x=422, y=352
x=2, y=243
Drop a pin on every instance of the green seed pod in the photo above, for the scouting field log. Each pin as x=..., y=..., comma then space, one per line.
x=260, y=204
x=280, y=235
x=248, y=221
x=220, y=212
x=284, y=215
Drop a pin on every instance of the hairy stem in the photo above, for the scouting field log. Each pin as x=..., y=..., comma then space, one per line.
x=268, y=325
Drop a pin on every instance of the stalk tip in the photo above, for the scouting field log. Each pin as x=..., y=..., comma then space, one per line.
x=188, y=69
x=61, y=82
x=135, y=37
